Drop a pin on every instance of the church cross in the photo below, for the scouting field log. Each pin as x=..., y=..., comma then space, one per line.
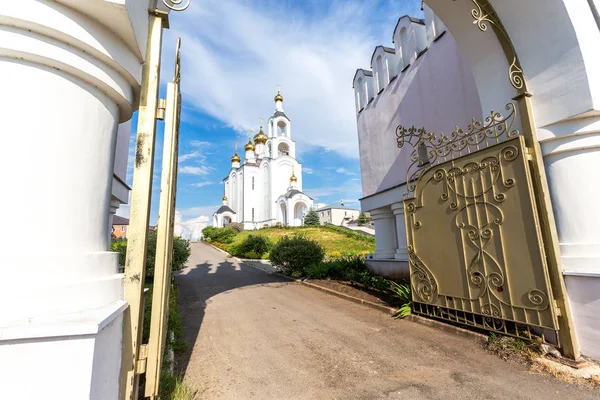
x=278, y=88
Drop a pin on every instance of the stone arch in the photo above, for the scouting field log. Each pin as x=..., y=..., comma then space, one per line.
x=300, y=209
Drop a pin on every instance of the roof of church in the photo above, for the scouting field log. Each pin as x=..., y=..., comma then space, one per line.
x=337, y=206
x=280, y=114
x=225, y=208
x=291, y=193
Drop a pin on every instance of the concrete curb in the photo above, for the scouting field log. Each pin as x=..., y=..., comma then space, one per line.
x=370, y=304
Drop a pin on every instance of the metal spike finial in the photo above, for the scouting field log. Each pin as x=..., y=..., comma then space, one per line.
x=278, y=89
x=261, y=121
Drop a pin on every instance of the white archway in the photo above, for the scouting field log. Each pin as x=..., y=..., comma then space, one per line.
x=282, y=214
x=300, y=208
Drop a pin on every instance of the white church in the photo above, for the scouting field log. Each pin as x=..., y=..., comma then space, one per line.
x=266, y=188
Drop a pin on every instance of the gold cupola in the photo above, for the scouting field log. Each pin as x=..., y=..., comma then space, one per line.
x=224, y=197
x=249, y=146
x=293, y=177
x=260, y=137
x=235, y=157
x=278, y=97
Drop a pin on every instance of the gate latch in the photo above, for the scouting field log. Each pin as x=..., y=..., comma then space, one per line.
x=557, y=308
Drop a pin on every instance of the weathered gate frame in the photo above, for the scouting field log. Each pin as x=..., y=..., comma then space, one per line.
x=484, y=14
x=138, y=358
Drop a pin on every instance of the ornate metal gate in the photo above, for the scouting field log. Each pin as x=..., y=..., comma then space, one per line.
x=475, y=247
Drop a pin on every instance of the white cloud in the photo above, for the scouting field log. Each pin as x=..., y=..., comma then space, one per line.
x=307, y=170
x=189, y=156
x=190, y=229
x=243, y=52
x=344, y=171
x=201, y=184
x=347, y=189
x=201, y=170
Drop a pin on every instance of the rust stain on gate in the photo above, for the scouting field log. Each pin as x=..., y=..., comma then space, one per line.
x=476, y=252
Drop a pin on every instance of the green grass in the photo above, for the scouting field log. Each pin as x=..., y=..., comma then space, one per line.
x=332, y=240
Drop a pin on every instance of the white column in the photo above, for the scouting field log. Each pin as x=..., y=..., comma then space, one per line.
x=401, y=250
x=572, y=157
x=67, y=81
x=385, y=233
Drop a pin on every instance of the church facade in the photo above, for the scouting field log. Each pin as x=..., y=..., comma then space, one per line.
x=266, y=188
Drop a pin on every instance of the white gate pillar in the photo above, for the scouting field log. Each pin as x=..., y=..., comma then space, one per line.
x=67, y=81
x=402, y=249
x=571, y=152
x=385, y=233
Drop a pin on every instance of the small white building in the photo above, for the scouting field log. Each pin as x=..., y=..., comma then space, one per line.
x=337, y=214
x=266, y=189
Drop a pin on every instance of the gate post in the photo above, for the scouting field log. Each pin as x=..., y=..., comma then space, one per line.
x=569, y=343
x=135, y=264
x=402, y=243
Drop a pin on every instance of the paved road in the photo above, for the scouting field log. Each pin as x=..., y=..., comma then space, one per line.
x=253, y=336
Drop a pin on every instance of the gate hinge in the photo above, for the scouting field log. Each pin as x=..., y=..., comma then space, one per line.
x=140, y=364
x=557, y=309
x=530, y=153
x=160, y=109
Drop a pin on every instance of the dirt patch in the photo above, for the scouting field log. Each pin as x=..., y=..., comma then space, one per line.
x=355, y=290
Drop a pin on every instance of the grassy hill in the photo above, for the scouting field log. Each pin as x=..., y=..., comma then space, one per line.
x=333, y=239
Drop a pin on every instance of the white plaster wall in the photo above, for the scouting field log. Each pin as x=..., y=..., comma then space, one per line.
x=425, y=95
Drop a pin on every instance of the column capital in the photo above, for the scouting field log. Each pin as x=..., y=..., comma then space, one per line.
x=398, y=208
x=381, y=213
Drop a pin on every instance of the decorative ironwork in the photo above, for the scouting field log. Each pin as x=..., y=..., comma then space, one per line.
x=176, y=5
x=483, y=14
x=487, y=266
x=430, y=149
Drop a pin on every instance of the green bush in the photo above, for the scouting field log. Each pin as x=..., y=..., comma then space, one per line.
x=257, y=244
x=252, y=255
x=312, y=219
x=181, y=252
x=222, y=235
x=294, y=254
x=119, y=245
x=362, y=219
x=403, y=292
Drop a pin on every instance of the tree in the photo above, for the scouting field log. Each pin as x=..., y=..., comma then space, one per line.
x=362, y=219
x=312, y=219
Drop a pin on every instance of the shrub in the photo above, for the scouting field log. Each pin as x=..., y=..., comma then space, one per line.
x=312, y=219
x=236, y=226
x=257, y=244
x=253, y=255
x=119, y=245
x=335, y=254
x=294, y=254
x=362, y=219
x=223, y=235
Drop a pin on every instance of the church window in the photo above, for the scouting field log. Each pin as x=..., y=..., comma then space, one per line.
x=252, y=214
x=283, y=149
x=252, y=183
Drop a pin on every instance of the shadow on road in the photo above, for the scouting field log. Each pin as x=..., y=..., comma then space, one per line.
x=197, y=284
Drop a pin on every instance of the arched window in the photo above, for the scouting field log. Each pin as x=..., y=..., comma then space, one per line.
x=405, y=48
x=381, y=73
x=283, y=149
x=360, y=94
x=252, y=183
x=281, y=129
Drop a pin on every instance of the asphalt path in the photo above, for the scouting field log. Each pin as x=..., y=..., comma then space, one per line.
x=252, y=335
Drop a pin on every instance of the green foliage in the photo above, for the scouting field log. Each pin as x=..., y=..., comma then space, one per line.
x=257, y=244
x=172, y=387
x=362, y=219
x=236, y=226
x=402, y=292
x=181, y=252
x=312, y=218
x=119, y=245
x=222, y=235
x=252, y=255
x=294, y=254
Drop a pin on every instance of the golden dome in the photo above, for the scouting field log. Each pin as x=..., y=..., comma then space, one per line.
x=293, y=177
x=249, y=146
x=260, y=137
x=278, y=97
x=236, y=157
x=224, y=197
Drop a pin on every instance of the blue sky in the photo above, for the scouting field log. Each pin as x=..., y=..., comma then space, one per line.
x=234, y=53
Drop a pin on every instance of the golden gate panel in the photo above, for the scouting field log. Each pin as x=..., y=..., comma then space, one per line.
x=475, y=248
